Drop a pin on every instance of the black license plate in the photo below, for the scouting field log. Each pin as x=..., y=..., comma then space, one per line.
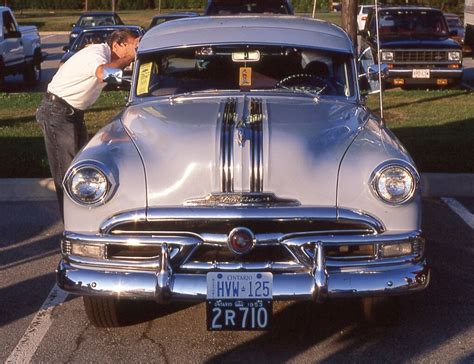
x=239, y=314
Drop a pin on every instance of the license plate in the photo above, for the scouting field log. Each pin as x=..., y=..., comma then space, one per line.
x=239, y=300
x=423, y=73
x=239, y=314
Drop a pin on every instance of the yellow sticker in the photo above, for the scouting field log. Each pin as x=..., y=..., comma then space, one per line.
x=245, y=77
x=144, y=78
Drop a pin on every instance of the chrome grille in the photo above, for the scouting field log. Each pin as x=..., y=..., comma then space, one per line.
x=420, y=56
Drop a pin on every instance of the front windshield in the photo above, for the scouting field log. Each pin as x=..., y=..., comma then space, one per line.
x=96, y=20
x=399, y=23
x=245, y=68
x=454, y=22
x=94, y=37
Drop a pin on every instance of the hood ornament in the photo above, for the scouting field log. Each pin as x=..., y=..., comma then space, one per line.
x=250, y=199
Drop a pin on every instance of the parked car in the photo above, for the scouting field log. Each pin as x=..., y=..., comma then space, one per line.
x=162, y=18
x=415, y=43
x=95, y=35
x=244, y=169
x=456, y=29
x=20, y=49
x=362, y=13
x=235, y=7
x=93, y=19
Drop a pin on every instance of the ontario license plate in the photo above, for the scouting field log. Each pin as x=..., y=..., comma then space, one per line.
x=239, y=301
x=423, y=73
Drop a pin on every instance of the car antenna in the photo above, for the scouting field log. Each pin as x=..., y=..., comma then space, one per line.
x=376, y=9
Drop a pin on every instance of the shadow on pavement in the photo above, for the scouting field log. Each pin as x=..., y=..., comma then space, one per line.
x=427, y=321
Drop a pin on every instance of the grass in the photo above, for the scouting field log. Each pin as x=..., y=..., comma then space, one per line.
x=61, y=20
x=437, y=128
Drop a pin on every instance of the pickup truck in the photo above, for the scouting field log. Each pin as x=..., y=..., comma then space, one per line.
x=20, y=49
x=415, y=45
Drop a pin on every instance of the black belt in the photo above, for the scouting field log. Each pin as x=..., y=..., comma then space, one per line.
x=54, y=98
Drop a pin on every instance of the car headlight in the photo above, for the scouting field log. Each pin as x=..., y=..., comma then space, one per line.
x=454, y=56
x=89, y=184
x=395, y=183
x=387, y=56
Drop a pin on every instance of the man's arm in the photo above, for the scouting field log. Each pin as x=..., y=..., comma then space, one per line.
x=118, y=63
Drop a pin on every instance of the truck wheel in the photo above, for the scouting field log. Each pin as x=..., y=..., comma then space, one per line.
x=381, y=310
x=102, y=311
x=32, y=74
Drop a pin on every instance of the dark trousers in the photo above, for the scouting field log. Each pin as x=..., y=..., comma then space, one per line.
x=65, y=134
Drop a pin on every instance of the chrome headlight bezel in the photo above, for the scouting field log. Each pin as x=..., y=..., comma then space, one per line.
x=454, y=56
x=95, y=166
x=387, y=56
x=383, y=168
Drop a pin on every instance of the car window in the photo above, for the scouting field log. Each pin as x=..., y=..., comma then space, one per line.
x=93, y=21
x=229, y=7
x=454, y=23
x=8, y=23
x=365, y=10
x=254, y=68
x=96, y=37
x=399, y=23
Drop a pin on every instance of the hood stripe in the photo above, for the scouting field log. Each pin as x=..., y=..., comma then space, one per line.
x=227, y=152
x=255, y=120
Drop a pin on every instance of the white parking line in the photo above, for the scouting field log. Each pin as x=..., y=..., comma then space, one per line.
x=38, y=328
x=48, y=36
x=459, y=209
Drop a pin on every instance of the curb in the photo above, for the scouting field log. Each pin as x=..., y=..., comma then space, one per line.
x=42, y=189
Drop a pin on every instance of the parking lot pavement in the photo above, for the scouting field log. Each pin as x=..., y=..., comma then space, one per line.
x=434, y=326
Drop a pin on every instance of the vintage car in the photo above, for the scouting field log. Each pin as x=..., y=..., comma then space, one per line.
x=163, y=18
x=244, y=169
x=93, y=19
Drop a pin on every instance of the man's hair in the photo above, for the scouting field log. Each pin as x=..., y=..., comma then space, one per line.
x=120, y=36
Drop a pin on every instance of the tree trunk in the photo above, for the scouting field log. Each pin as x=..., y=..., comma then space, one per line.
x=349, y=19
x=151, y=4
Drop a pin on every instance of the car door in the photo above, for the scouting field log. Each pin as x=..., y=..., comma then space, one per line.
x=13, y=50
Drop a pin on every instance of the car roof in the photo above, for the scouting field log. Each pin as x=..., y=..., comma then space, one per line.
x=451, y=15
x=110, y=27
x=246, y=29
x=92, y=13
x=408, y=7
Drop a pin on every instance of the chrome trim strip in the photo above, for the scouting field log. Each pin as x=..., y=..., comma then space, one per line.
x=254, y=121
x=253, y=213
x=227, y=145
x=237, y=266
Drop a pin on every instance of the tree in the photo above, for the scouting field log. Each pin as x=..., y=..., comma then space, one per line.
x=349, y=19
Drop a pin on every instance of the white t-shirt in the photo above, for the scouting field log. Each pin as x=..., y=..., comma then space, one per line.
x=75, y=82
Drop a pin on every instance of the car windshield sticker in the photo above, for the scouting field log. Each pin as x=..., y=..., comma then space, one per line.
x=245, y=77
x=144, y=78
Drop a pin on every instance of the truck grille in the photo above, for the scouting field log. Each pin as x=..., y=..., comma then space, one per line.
x=420, y=56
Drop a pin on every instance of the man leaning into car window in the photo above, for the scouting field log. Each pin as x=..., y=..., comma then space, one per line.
x=74, y=88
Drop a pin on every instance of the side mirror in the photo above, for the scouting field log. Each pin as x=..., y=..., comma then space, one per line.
x=373, y=71
x=113, y=76
x=12, y=35
x=65, y=48
x=453, y=33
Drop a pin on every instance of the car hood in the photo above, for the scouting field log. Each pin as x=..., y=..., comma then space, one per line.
x=406, y=43
x=188, y=153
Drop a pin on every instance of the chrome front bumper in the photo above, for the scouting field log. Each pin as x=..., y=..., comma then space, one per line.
x=318, y=284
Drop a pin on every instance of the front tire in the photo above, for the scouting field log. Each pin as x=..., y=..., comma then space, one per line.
x=102, y=312
x=32, y=74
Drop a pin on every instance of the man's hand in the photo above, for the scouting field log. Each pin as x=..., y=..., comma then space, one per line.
x=124, y=54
